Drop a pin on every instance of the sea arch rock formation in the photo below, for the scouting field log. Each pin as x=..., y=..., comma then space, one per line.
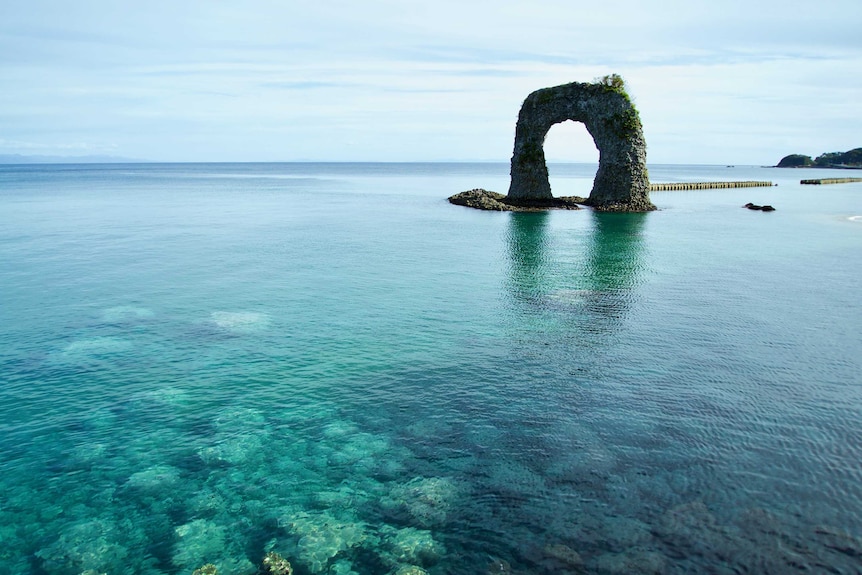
x=622, y=182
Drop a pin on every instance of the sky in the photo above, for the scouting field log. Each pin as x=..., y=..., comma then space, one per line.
x=730, y=82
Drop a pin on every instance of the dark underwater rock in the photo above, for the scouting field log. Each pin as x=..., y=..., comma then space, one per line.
x=755, y=541
x=567, y=557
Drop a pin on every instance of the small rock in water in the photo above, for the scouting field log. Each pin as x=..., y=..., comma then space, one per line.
x=766, y=208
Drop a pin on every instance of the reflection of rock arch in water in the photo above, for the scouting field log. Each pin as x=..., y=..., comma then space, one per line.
x=598, y=279
x=527, y=253
x=615, y=251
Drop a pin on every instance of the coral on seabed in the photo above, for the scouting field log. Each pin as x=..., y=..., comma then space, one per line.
x=342, y=567
x=89, y=546
x=240, y=438
x=275, y=564
x=198, y=541
x=411, y=546
x=126, y=314
x=410, y=570
x=322, y=536
x=428, y=501
x=201, y=541
x=240, y=322
x=154, y=479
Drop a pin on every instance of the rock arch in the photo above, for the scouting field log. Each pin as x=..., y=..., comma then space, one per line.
x=621, y=182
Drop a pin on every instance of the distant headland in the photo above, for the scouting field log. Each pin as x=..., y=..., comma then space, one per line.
x=846, y=160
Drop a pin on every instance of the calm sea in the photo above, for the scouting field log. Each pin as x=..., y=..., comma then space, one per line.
x=202, y=363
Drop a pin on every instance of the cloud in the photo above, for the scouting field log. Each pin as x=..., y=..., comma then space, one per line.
x=271, y=80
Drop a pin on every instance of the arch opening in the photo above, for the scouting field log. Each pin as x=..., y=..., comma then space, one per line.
x=569, y=142
x=572, y=158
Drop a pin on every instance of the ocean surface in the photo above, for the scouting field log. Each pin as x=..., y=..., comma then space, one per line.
x=203, y=363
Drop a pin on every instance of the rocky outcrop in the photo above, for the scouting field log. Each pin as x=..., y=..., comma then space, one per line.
x=795, y=161
x=621, y=183
x=756, y=207
x=493, y=201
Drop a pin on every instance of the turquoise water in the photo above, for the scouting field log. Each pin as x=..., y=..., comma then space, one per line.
x=200, y=363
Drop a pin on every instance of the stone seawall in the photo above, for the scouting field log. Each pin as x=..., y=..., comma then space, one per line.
x=706, y=186
x=831, y=181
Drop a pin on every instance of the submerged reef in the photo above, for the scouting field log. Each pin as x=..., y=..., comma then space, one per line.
x=425, y=501
x=322, y=536
x=308, y=490
x=411, y=547
x=273, y=564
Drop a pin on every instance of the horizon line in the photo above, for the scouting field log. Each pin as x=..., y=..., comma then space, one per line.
x=20, y=159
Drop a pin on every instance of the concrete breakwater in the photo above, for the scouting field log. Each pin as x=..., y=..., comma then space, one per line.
x=706, y=186
x=831, y=181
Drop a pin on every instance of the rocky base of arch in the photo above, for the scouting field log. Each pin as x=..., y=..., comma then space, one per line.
x=492, y=201
x=631, y=205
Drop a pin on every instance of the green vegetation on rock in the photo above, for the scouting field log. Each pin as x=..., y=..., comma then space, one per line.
x=851, y=159
x=625, y=124
x=532, y=152
x=795, y=161
x=613, y=81
x=545, y=96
